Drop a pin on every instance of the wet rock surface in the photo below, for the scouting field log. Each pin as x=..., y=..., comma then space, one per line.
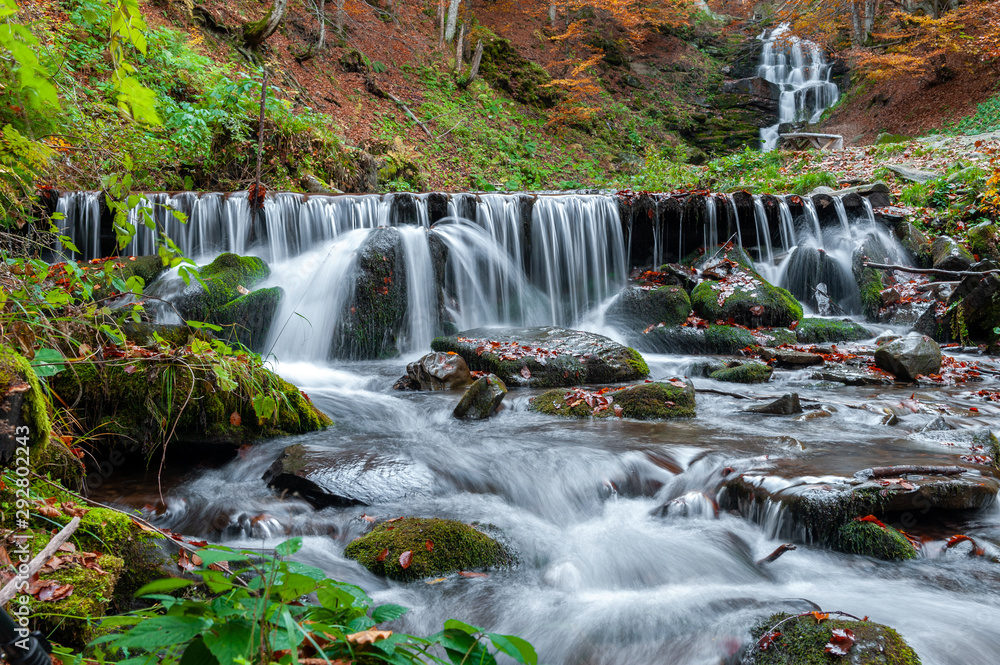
x=439, y=371
x=644, y=401
x=803, y=641
x=482, y=399
x=743, y=372
x=343, y=478
x=946, y=254
x=545, y=357
x=786, y=405
x=909, y=357
x=638, y=307
x=790, y=358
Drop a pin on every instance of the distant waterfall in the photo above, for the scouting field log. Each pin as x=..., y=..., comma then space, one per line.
x=800, y=69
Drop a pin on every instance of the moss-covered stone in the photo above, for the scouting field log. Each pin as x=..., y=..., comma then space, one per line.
x=504, y=68
x=545, y=357
x=984, y=240
x=803, y=641
x=184, y=398
x=636, y=307
x=750, y=372
x=870, y=539
x=481, y=399
x=22, y=405
x=454, y=547
x=247, y=319
x=222, y=279
x=747, y=299
x=146, y=267
x=819, y=331
x=643, y=401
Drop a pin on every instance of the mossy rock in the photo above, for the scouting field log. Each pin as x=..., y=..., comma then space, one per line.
x=803, y=641
x=819, y=331
x=222, y=279
x=202, y=413
x=504, y=68
x=643, y=401
x=870, y=539
x=637, y=308
x=247, y=320
x=146, y=267
x=24, y=410
x=545, y=357
x=748, y=293
x=750, y=372
x=454, y=547
x=984, y=240
x=735, y=253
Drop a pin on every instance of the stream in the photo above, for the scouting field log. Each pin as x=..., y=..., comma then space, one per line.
x=602, y=576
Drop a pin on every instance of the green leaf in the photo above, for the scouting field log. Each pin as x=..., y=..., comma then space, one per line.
x=212, y=555
x=289, y=547
x=163, y=586
x=236, y=638
x=197, y=653
x=163, y=631
x=48, y=362
x=455, y=624
x=515, y=647
x=264, y=406
x=357, y=624
x=388, y=612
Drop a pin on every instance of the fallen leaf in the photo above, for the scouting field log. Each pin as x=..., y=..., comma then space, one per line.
x=382, y=555
x=465, y=573
x=242, y=290
x=55, y=592
x=436, y=580
x=235, y=419
x=525, y=372
x=370, y=636
x=840, y=642
x=870, y=518
x=767, y=640
x=367, y=518
x=405, y=558
x=429, y=545
x=820, y=616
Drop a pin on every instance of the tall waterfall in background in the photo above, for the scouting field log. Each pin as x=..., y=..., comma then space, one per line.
x=800, y=69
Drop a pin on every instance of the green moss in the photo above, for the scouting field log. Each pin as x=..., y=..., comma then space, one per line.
x=504, y=68
x=14, y=369
x=454, y=547
x=643, y=401
x=222, y=278
x=817, y=331
x=146, y=267
x=803, y=641
x=870, y=539
x=637, y=362
x=780, y=306
x=728, y=339
x=751, y=372
x=984, y=240
x=248, y=319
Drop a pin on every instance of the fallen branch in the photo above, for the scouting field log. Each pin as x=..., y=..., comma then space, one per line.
x=787, y=547
x=13, y=587
x=379, y=92
x=930, y=271
x=901, y=469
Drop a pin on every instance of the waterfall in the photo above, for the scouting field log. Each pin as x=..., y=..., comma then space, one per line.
x=806, y=88
x=421, y=288
x=81, y=222
x=712, y=223
x=764, y=251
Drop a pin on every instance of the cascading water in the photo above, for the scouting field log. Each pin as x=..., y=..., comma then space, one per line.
x=800, y=69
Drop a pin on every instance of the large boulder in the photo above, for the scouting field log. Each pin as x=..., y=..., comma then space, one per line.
x=644, y=401
x=545, y=357
x=803, y=640
x=439, y=371
x=342, y=478
x=870, y=281
x=412, y=548
x=947, y=254
x=869, y=536
x=916, y=243
x=638, y=307
x=909, y=357
x=482, y=399
x=743, y=372
x=820, y=331
x=970, y=316
x=786, y=405
x=148, y=268
x=223, y=279
x=732, y=291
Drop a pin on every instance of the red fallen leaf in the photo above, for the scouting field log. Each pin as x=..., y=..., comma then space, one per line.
x=820, y=616
x=394, y=519
x=618, y=410
x=367, y=518
x=429, y=545
x=757, y=310
x=184, y=563
x=525, y=372
x=977, y=550
x=465, y=573
x=405, y=558
x=235, y=419
x=840, y=642
x=198, y=543
x=382, y=555
x=972, y=408
x=130, y=369
x=793, y=325
x=55, y=592
x=767, y=640
x=870, y=518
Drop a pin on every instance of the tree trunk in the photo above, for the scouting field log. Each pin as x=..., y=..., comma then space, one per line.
x=340, y=17
x=256, y=32
x=474, y=71
x=449, y=31
x=321, y=12
x=857, y=29
x=871, y=9
x=552, y=14
x=458, y=50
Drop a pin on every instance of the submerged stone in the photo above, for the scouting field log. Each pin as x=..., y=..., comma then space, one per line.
x=439, y=371
x=222, y=279
x=428, y=547
x=748, y=372
x=642, y=401
x=545, y=357
x=481, y=399
x=638, y=307
x=786, y=405
x=790, y=357
x=869, y=538
x=803, y=640
x=343, y=478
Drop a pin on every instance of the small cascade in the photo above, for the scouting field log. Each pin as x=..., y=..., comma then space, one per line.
x=764, y=252
x=800, y=69
x=786, y=228
x=81, y=221
x=421, y=288
x=711, y=222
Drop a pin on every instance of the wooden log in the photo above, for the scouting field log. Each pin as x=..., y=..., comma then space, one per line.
x=929, y=271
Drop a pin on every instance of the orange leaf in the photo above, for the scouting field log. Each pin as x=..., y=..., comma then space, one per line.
x=820, y=616
x=465, y=573
x=235, y=419
x=405, y=558
x=429, y=545
x=370, y=636
x=382, y=555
